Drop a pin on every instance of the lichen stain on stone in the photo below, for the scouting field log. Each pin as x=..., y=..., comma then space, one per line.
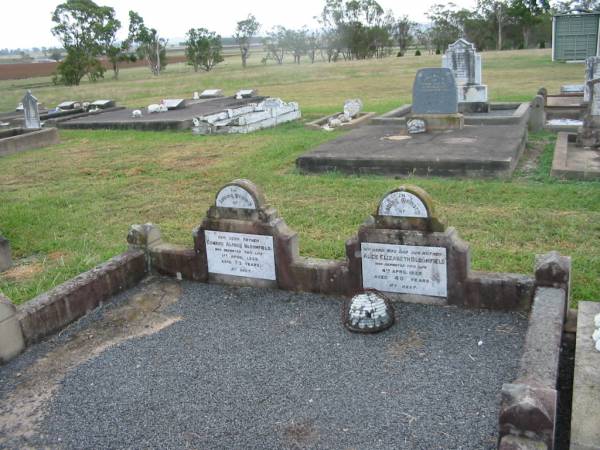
x=139, y=315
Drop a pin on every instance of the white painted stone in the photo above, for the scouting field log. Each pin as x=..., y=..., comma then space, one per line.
x=196, y=96
x=11, y=336
x=405, y=269
x=352, y=107
x=235, y=197
x=416, y=126
x=597, y=320
x=369, y=311
x=242, y=255
x=598, y=345
x=136, y=113
x=596, y=334
x=402, y=204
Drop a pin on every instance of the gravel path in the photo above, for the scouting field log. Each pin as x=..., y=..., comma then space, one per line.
x=254, y=368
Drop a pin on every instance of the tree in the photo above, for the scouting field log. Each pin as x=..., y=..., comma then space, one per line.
x=446, y=25
x=274, y=44
x=295, y=41
x=244, y=32
x=203, y=49
x=580, y=6
x=527, y=14
x=497, y=11
x=150, y=46
x=403, y=33
x=84, y=28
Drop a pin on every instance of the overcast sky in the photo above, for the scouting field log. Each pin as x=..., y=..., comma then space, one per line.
x=27, y=23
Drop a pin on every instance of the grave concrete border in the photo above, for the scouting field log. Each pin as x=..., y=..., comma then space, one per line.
x=20, y=139
x=560, y=167
x=363, y=117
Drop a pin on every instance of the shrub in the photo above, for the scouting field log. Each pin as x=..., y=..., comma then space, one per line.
x=418, y=53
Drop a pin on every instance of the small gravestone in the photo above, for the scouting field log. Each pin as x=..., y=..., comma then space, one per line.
x=174, y=103
x=211, y=93
x=465, y=63
x=103, y=104
x=592, y=66
x=238, y=237
x=31, y=111
x=434, y=92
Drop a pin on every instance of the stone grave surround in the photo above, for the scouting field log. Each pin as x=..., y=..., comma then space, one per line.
x=465, y=63
x=592, y=66
x=589, y=134
x=402, y=250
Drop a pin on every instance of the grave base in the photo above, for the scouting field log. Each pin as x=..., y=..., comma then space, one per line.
x=575, y=162
x=438, y=122
x=485, y=151
x=475, y=93
x=474, y=107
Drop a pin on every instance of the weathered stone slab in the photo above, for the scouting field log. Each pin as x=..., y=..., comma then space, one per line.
x=434, y=92
x=70, y=104
x=592, y=64
x=211, y=93
x=585, y=415
x=103, y=104
x=174, y=103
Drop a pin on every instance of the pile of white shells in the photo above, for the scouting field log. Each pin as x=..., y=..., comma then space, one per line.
x=596, y=335
x=369, y=312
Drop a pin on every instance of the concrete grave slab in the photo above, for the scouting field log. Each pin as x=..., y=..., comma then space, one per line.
x=177, y=119
x=388, y=150
x=103, y=104
x=211, y=93
x=70, y=104
x=174, y=103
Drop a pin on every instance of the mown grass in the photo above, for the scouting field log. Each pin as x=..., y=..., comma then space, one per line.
x=68, y=207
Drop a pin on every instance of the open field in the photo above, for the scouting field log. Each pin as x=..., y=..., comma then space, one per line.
x=68, y=207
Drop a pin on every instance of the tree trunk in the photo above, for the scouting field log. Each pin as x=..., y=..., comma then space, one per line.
x=499, y=43
x=526, y=37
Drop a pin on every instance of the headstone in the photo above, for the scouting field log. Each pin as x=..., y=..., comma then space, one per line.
x=404, y=250
x=174, y=103
x=352, y=107
x=465, y=63
x=103, y=104
x=211, y=93
x=434, y=92
x=592, y=66
x=196, y=96
x=32, y=114
x=241, y=237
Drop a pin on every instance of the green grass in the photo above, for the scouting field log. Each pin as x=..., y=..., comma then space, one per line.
x=68, y=207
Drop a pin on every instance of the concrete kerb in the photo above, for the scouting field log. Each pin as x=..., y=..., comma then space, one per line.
x=27, y=140
x=51, y=311
x=529, y=404
x=363, y=117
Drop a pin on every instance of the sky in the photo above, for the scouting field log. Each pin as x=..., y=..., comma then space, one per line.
x=172, y=18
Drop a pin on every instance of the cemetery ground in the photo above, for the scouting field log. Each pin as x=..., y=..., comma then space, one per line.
x=68, y=207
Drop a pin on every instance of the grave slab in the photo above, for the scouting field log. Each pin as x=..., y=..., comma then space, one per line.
x=486, y=151
x=178, y=119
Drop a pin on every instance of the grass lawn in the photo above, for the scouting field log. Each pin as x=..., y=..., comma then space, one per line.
x=68, y=207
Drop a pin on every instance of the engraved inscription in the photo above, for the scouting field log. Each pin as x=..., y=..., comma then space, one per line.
x=402, y=204
x=235, y=197
x=239, y=254
x=405, y=269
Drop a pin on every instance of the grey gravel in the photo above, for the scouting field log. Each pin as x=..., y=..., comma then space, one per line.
x=253, y=368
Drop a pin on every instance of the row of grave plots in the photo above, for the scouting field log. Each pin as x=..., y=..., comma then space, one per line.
x=401, y=255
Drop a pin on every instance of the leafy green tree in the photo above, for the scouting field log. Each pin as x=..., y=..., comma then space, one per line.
x=296, y=42
x=580, y=6
x=527, y=14
x=203, y=49
x=403, y=32
x=275, y=45
x=495, y=11
x=149, y=45
x=244, y=32
x=83, y=28
x=446, y=25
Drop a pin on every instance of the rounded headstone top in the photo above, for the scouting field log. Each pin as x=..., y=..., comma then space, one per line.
x=240, y=194
x=368, y=312
x=406, y=202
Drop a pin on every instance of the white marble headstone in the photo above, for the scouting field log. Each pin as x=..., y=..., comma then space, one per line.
x=31, y=111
